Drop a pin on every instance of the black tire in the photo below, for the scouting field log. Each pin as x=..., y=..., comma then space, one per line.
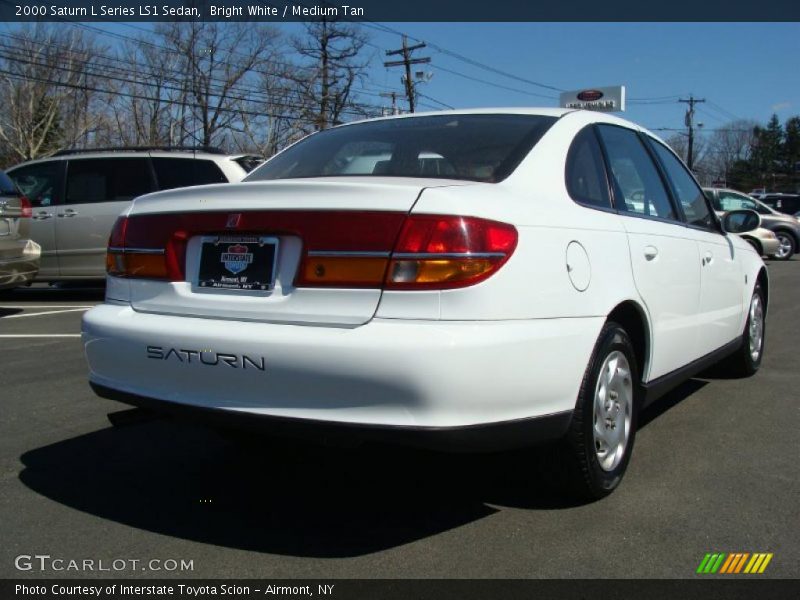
x=588, y=479
x=742, y=363
x=786, y=239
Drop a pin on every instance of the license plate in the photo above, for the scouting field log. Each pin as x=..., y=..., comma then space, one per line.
x=238, y=263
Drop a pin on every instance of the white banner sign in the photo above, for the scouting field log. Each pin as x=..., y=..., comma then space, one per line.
x=604, y=99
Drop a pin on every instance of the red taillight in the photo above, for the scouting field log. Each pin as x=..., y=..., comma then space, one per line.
x=446, y=252
x=144, y=256
x=340, y=248
x=26, y=207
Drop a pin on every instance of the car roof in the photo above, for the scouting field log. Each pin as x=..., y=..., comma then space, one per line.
x=133, y=154
x=599, y=117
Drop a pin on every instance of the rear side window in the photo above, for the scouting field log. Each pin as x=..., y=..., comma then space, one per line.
x=638, y=188
x=685, y=188
x=7, y=187
x=730, y=201
x=585, y=176
x=185, y=172
x=95, y=180
x=41, y=183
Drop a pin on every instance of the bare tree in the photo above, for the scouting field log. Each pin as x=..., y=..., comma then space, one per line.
x=50, y=94
x=728, y=145
x=147, y=111
x=219, y=62
x=334, y=63
x=679, y=142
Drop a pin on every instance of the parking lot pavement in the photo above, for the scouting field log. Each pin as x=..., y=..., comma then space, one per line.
x=715, y=469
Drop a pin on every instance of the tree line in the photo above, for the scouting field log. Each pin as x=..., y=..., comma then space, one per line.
x=746, y=155
x=236, y=86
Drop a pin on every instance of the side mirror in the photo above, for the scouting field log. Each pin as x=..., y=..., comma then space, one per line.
x=741, y=221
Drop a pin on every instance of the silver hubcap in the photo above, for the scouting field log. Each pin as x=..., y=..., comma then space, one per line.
x=785, y=246
x=613, y=408
x=756, y=328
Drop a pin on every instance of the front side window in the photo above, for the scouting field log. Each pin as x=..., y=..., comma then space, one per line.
x=93, y=180
x=40, y=183
x=638, y=188
x=476, y=147
x=685, y=188
x=585, y=175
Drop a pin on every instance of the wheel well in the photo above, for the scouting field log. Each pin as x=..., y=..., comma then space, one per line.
x=790, y=233
x=755, y=243
x=764, y=281
x=630, y=316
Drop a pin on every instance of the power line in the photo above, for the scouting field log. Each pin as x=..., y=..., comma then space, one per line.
x=497, y=85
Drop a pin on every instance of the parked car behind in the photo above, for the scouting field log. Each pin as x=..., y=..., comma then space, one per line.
x=560, y=271
x=786, y=227
x=784, y=203
x=77, y=196
x=19, y=256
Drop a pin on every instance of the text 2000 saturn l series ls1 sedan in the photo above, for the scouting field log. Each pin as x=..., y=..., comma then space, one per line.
x=478, y=279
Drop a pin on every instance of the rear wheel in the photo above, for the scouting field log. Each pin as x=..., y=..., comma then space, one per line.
x=787, y=245
x=599, y=443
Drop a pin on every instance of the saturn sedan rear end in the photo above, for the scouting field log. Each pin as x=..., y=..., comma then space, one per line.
x=426, y=279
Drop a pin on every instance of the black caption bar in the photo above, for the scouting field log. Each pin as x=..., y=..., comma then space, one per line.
x=438, y=589
x=406, y=10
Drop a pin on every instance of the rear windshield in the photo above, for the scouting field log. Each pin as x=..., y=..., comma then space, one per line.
x=7, y=187
x=470, y=147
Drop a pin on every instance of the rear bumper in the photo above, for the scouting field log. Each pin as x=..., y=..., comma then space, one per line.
x=21, y=269
x=387, y=374
x=770, y=247
x=472, y=438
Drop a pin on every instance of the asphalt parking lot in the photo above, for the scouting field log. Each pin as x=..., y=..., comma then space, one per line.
x=715, y=469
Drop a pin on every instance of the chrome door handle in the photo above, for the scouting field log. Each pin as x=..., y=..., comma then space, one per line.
x=68, y=213
x=650, y=252
x=41, y=216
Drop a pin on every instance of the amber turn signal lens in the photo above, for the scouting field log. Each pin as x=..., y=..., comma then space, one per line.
x=343, y=271
x=148, y=266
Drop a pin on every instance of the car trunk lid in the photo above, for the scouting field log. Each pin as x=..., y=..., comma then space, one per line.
x=210, y=233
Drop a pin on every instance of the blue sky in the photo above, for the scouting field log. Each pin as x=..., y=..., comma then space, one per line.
x=744, y=70
x=747, y=70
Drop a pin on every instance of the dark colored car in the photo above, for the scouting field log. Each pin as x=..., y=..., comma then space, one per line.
x=785, y=226
x=785, y=203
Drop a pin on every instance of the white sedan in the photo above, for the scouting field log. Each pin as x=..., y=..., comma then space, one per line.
x=549, y=274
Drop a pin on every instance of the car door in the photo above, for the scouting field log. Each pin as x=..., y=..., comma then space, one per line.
x=97, y=191
x=664, y=254
x=42, y=183
x=721, y=276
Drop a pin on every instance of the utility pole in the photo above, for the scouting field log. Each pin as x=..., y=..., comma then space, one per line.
x=407, y=61
x=689, y=120
x=393, y=96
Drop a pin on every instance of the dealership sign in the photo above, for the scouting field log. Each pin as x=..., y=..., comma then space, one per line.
x=605, y=99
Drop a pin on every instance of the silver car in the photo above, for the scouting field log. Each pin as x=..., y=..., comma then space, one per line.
x=77, y=196
x=19, y=256
x=785, y=227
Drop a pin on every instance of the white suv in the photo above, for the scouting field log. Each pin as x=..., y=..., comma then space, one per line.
x=77, y=195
